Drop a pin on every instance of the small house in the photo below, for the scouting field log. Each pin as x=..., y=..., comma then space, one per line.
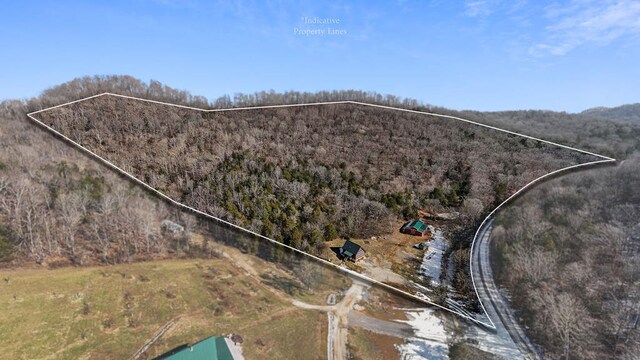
x=352, y=251
x=415, y=228
x=421, y=246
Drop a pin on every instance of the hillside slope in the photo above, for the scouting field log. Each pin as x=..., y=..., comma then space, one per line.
x=629, y=113
x=304, y=175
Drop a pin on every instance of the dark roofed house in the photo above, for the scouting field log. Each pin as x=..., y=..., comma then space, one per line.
x=415, y=228
x=352, y=251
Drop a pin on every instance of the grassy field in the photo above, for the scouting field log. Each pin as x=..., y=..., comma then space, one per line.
x=110, y=312
x=364, y=344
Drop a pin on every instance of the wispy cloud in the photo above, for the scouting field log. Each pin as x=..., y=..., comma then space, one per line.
x=587, y=22
x=479, y=8
x=176, y=4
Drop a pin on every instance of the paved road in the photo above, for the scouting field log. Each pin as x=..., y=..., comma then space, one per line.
x=509, y=339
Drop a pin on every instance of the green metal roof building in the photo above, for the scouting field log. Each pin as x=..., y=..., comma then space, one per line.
x=421, y=246
x=416, y=228
x=211, y=348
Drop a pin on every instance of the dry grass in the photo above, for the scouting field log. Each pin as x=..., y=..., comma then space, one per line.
x=109, y=312
x=364, y=344
x=295, y=334
x=382, y=304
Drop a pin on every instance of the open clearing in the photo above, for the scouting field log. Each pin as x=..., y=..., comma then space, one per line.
x=110, y=312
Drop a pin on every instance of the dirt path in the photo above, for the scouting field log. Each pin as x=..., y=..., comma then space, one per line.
x=338, y=319
x=240, y=261
x=338, y=315
x=304, y=305
x=341, y=322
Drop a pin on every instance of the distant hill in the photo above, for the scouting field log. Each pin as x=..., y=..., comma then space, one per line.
x=626, y=113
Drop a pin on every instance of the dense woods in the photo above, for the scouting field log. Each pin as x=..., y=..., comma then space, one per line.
x=617, y=140
x=58, y=206
x=307, y=174
x=569, y=253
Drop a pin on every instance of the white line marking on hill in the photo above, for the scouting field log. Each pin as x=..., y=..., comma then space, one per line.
x=68, y=103
x=606, y=159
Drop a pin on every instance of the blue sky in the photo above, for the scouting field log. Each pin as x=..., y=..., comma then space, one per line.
x=477, y=54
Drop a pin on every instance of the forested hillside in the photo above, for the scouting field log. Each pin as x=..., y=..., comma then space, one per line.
x=604, y=137
x=58, y=207
x=569, y=253
x=625, y=113
x=307, y=174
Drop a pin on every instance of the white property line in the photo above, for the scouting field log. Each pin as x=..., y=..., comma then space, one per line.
x=321, y=260
x=217, y=110
x=65, y=104
x=486, y=126
x=345, y=102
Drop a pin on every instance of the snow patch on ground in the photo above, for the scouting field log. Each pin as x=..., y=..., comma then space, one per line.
x=432, y=259
x=493, y=343
x=430, y=337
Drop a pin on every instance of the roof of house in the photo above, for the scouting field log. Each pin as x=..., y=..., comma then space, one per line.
x=350, y=248
x=211, y=348
x=416, y=224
